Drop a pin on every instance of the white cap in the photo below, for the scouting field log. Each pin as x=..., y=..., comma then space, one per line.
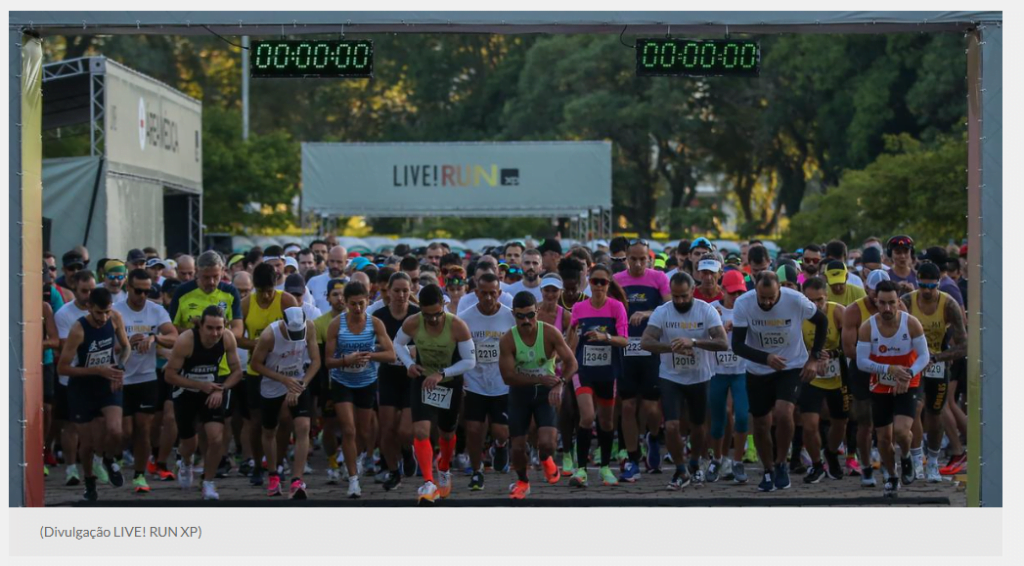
x=291, y=247
x=709, y=265
x=291, y=262
x=551, y=280
x=876, y=277
x=295, y=322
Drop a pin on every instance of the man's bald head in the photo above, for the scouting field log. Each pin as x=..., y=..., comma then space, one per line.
x=243, y=282
x=337, y=261
x=186, y=268
x=361, y=277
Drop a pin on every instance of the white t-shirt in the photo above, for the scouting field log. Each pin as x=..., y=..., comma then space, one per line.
x=519, y=286
x=316, y=291
x=854, y=279
x=118, y=298
x=141, y=368
x=778, y=331
x=65, y=318
x=485, y=378
x=727, y=363
x=470, y=301
x=681, y=368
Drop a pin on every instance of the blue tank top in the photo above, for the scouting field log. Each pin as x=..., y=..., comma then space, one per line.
x=97, y=347
x=348, y=343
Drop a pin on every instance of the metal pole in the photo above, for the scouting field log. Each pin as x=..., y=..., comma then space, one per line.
x=245, y=87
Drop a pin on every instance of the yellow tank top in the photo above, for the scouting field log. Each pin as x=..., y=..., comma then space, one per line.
x=934, y=324
x=833, y=345
x=260, y=318
x=862, y=304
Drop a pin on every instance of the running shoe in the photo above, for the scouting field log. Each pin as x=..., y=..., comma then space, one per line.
x=394, y=480
x=369, y=468
x=462, y=462
x=852, y=466
x=918, y=460
x=100, y=470
x=567, y=464
x=622, y=456
x=48, y=458
x=71, y=477
x=444, y=484
x=550, y=470
x=630, y=473
x=114, y=473
x=867, y=479
x=833, y=469
x=381, y=476
x=499, y=458
x=697, y=476
x=891, y=488
x=579, y=479
x=333, y=476
x=297, y=490
x=184, y=475
x=876, y=458
x=814, y=474
x=907, y=475
x=956, y=465
x=782, y=476
x=653, y=454
x=127, y=458
x=607, y=477
x=767, y=482
x=476, y=482
x=679, y=481
x=739, y=474
x=932, y=473
x=427, y=493
x=519, y=490
x=46, y=471
x=750, y=455
x=224, y=468
x=256, y=479
x=534, y=458
x=714, y=470
x=151, y=466
x=210, y=491
x=163, y=474
x=354, y=491
x=797, y=465
x=140, y=485
x=90, y=494
x=274, y=485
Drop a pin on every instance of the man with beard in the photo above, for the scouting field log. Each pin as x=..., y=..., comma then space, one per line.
x=685, y=332
x=337, y=261
x=810, y=263
x=531, y=276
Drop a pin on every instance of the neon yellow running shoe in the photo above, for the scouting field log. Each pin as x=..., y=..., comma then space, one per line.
x=607, y=477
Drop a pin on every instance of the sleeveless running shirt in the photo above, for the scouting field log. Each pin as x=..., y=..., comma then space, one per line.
x=365, y=340
x=893, y=350
x=392, y=325
x=202, y=365
x=833, y=378
x=97, y=347
x=934, y=323
x=288, y=357
x=533, y=360
x=260, y=318
x=435, y=353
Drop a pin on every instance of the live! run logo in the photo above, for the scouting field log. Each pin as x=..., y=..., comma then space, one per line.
x=453, y=176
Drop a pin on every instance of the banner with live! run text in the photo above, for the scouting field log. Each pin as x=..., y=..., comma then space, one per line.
x=456, y=179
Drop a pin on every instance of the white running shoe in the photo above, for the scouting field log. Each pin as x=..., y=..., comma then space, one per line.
x=354, y=492
x=918, y=466
x=184, y=475
x=333, y=476
x=427, y=493
x=210, y=491
x=932, y=471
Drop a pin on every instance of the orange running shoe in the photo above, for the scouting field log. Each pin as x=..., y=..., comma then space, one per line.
x=551, y=470
x=444, y=484
x=519, y=490
x=151, y=466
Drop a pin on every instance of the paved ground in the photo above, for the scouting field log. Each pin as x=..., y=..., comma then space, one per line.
x=648, y=491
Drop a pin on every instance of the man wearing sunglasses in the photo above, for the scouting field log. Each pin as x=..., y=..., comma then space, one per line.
x=114, y=273
x=530, y=275
x=810, y=262
x=148, y=325
x=646, y=289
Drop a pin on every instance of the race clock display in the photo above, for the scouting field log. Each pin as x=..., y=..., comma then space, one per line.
x=312, y=58
x=697, y=57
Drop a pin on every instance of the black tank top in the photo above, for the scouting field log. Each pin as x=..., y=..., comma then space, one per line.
x=97, y=347
x=204, y=363
x=393, y=325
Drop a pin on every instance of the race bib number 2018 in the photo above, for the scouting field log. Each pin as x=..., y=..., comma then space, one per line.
x=439, y=396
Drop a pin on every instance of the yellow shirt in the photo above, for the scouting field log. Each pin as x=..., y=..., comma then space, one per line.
x=259, y=318
x=833, y=345
x=851, y=294
x=934, y=324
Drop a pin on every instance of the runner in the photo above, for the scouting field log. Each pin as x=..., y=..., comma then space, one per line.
x=534, y=391
x=828, y=386
x=486, y=395
x=937, y=313
x=437, y=385
x=288, y=359
x=551, y=254
x=836, y=251
x=147, y=326
x=201, y=393
x=767, y=333
x=455, y=284
x=337, y=261
x=603, y=327
x=891, y=345
x=758, y=260
x=840, y=287
x=114, y=272
x=434, y=253
x=395, y=387
x=552, y=313
x=730, y=378
x=531, y=262
x=677, y=332
x=295, y=286
x=574, y=279
x=136, y=259
x=810, y=262
x=94, y=388
x=514, y=252
x=698, y=249
x=265, y=306
x=354, y=347
x=486, y=264
x=646, y=289
x=900, y=249
x=321, y=384
x=709, y=269
x=186, y=268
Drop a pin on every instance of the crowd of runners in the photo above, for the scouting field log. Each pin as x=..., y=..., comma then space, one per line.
x=526, y=363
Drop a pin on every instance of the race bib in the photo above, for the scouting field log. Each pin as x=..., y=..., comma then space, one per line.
x=487, y=353
x=440, y=397
x=935, y=370
x=596, y=356
x=887, y=379
x=292, y=371
x=101, y=358
x=201, y=377
x=355, y=368
x=634, y=349
x=774, y=340
x=684, y=362
x=831, y=369
x=727, y=360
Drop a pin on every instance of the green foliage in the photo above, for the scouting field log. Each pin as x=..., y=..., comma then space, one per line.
x=913, y=188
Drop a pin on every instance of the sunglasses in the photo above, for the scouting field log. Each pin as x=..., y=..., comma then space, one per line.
x=138, y=291
x=52, y=268
x=514, y=271
x=599, y=282
x=115, y=277
x=455, y=282
x=434, y=316
x=812, y=260
x=928, y=285
x=638, y=242
x=526, y=315
x=618, y=259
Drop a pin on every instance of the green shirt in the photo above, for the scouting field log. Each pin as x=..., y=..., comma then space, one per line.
x=435, y=353
x=321, y=324
x=533, y=360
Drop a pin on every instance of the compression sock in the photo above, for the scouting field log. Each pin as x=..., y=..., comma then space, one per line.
x=425, y=458
x=447, y=450
x=604, y=441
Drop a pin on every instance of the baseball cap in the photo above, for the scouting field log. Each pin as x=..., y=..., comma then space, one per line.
x=733, y=282
x=551, y=280
x=963, y=250
x=733, y=258
x=835, y=272
x=71, y=259
x=871, y=255
x=135, y=255
x=358, y=263
x=876, y=277
x=172, y=264
x=235, y=258
x=335, y=284
x=295, y=284
x=290, y=262
x=709, y=265
x=787, y=273
x=155, y=262
x=902, y=241
x=701, y=243
x=551, y=245
x=295, y=322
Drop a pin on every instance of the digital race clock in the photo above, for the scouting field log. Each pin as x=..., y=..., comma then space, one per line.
x=697, y=57
x=313, y=58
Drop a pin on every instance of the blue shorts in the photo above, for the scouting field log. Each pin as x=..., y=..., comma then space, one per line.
x=88, y=396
